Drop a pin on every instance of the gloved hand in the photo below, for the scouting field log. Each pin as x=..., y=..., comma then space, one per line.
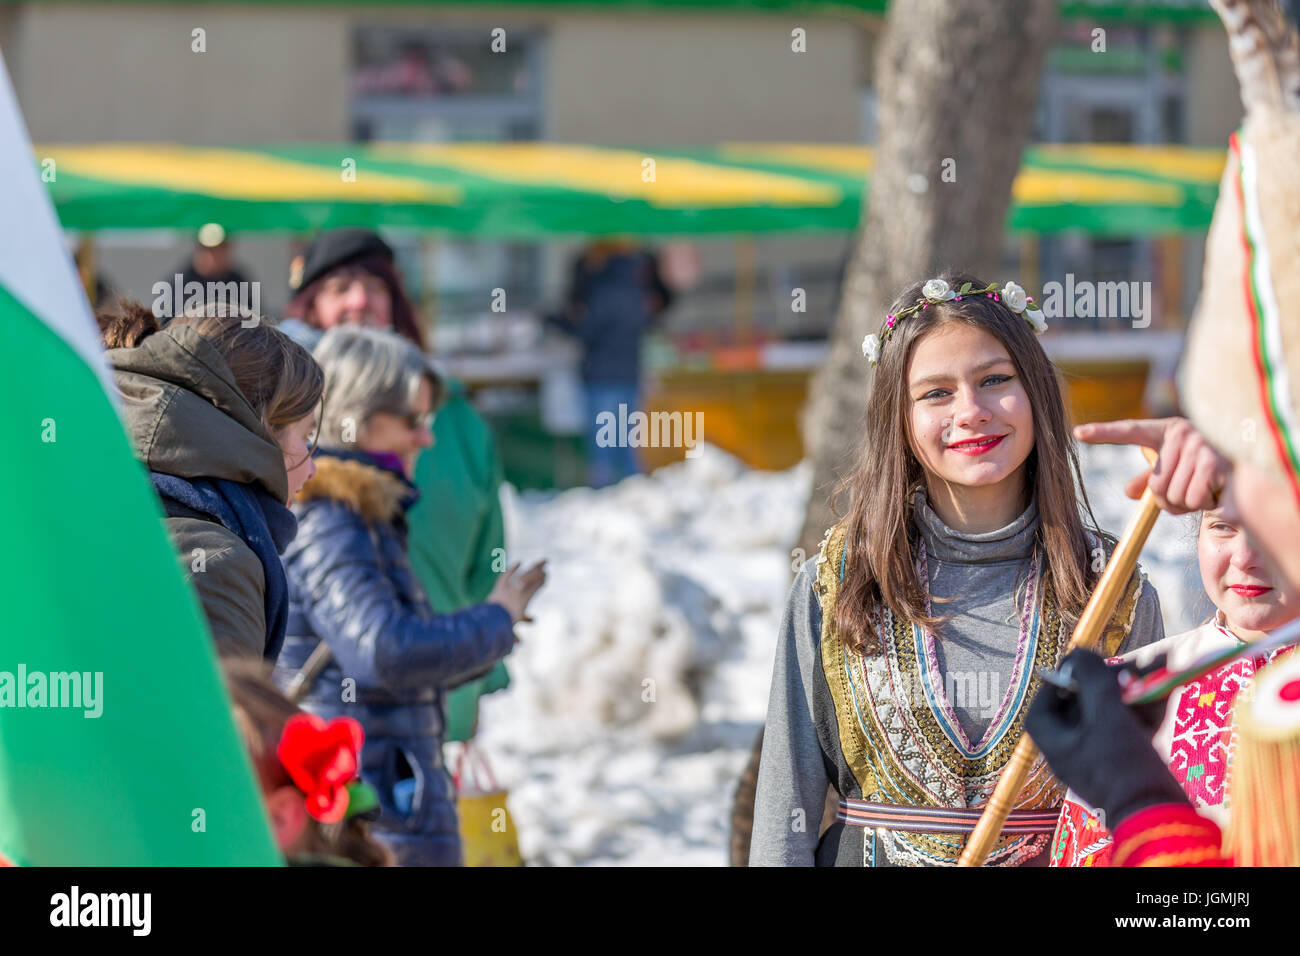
x=1151, y=715
x=1098, y=746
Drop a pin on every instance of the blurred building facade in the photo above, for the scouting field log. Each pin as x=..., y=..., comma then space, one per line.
x=113, y=72
x=612, y=74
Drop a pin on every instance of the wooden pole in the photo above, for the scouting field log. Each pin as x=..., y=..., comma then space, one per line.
x=746, y=289
x=429, y=286
x=86, y=266
x=1092, y=622
x=1029, y=264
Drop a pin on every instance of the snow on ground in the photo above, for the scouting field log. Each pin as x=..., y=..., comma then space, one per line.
x=640, y=688
x=1169, y=557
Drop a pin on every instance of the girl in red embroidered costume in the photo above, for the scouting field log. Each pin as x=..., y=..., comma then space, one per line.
x=1240, y=377
x=1195, y=737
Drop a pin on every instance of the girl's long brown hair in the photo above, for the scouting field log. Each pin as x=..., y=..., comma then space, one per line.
x=278, y=376
x=881, y=538
x=261, y=712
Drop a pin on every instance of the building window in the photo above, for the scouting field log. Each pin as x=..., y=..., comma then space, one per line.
x=433, y=85
x=1131, y=91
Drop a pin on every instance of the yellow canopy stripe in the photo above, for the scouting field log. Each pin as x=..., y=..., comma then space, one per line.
x=235, y=174
x=1034, y=185
x=1179, y=162
x=617, y=173
x=1047, y=186
x=850, y=160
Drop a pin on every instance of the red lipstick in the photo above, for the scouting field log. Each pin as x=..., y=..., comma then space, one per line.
x=1249, y=590
x=977, y=446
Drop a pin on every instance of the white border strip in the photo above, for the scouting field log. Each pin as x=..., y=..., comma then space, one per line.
x=1280, y=386
x=34, y=265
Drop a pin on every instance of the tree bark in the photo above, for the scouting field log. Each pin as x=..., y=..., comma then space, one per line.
x=956, y=82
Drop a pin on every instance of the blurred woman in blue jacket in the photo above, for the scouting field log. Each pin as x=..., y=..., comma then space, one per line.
x=352, y=591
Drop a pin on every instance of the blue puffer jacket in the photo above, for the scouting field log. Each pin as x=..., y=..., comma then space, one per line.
x=350, y=585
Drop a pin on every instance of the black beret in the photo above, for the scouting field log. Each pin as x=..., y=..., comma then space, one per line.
x=333, y=249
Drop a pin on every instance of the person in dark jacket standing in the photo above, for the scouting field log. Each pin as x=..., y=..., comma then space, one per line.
x=220, y=408
x=207, y=276
x=615, y=295
x=352, y=590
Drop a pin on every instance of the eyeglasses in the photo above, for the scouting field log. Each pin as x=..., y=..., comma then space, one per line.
x=414, y=421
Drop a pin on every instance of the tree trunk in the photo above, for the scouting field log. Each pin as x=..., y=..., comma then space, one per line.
x=956, y=84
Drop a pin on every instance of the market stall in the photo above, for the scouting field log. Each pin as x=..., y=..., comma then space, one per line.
x=751, y=389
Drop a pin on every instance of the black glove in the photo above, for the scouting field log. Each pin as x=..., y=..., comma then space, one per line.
x=1151, y=715
x=1096, y=745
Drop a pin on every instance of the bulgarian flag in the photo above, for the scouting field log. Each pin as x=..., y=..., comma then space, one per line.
x=117, y=746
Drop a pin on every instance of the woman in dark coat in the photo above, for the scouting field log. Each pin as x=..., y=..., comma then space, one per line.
x=352, y=591
x=220, y=407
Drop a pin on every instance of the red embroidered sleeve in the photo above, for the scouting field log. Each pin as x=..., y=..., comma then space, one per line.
x=1169, y=834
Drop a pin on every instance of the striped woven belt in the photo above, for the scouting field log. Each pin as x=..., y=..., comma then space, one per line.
x=863, y=813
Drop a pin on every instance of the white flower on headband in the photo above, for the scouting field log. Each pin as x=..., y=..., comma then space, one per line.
x=1017, y=301
x=871, y=348
x=937, y=290
x=1015, y=297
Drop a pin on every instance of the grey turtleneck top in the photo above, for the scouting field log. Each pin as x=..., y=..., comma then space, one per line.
x=976, y=645
x=984, y=576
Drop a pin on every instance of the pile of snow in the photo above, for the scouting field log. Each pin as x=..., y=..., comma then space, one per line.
x=639, y=690
x=1169, y=557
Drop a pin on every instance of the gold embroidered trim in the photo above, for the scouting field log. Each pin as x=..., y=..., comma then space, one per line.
x=896, y=770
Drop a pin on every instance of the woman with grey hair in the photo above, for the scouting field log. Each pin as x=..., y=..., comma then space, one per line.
x=362, y=640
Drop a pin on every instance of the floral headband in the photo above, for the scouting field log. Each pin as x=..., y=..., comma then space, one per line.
x=936, y=291
x=322, y=759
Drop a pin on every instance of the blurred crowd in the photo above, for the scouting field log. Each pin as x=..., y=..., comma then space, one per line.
x=334, y=501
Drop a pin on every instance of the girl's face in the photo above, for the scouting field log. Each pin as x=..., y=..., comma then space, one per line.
x=971, y=423
x=1267, y=509
x=1236, y=576
x=296, y=441
x=289, y=819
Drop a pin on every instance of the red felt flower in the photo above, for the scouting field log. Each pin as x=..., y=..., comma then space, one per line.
x=321, y=758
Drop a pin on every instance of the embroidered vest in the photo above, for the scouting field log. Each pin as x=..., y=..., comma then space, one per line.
x=900, y=737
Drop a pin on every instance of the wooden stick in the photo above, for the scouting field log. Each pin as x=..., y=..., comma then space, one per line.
x=1087, y=632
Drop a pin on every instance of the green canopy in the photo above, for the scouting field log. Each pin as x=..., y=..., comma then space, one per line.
x=536, y=190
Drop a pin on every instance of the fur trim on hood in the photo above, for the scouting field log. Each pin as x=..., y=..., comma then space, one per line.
x=371, y=492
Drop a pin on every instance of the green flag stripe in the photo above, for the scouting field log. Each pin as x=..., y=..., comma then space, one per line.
x=89, y=584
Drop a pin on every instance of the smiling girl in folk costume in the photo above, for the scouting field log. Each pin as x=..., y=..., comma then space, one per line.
x=1196, y=734
x=910, y=648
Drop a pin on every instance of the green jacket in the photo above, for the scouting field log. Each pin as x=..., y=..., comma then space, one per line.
x=186, y=417
x=457, y=537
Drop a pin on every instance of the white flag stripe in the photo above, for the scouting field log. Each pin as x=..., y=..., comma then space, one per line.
x=34, y=266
